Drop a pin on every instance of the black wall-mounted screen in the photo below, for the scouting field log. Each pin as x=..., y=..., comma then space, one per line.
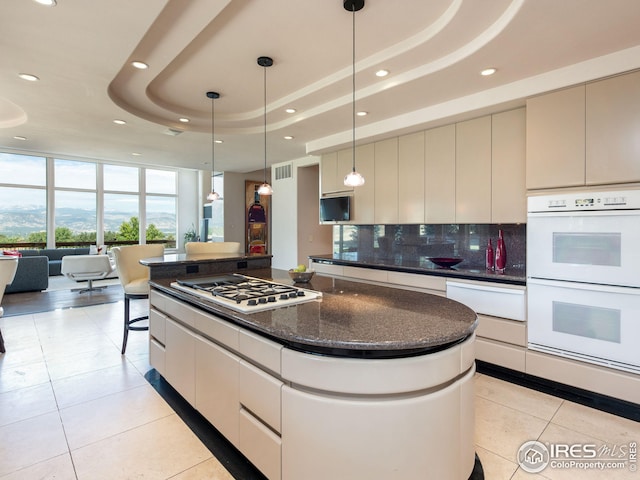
x=207, y=210
x=335, y=209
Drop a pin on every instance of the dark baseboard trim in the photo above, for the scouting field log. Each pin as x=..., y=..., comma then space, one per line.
x=598, y=401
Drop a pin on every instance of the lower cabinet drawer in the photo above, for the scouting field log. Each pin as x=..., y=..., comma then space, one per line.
x=261, y=394
x=502, y=330
x=260, y=445
x=156, y=356
x=504, y=301
x=157, y=325
x=508, y=356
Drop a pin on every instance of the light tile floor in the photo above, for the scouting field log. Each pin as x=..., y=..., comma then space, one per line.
x=71, y=407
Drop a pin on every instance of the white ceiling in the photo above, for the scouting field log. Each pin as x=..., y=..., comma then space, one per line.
x=81, y=50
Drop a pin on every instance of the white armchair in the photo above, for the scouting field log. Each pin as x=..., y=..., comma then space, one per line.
x=86, y=267
x=8, y=267
x=200, y=248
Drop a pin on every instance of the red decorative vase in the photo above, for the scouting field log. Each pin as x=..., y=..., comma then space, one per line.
x=489, y=256
x=501, y=253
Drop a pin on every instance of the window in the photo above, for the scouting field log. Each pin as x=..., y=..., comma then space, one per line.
x=75, y=210
x=83, y=193
x=121, y=204
x=23, y=200
x=160, y=206
x=77, y=175
x=75, y=215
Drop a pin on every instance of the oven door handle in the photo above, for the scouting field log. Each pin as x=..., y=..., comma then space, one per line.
x=582, y=213
x=584, y=286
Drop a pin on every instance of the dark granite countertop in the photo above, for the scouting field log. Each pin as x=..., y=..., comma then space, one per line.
x=353, y=319
x=183, y=258
x=512, y=275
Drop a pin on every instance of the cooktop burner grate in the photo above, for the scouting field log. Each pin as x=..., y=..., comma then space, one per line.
x=246, y=294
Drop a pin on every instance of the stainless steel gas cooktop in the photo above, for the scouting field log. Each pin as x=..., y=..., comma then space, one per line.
x=246, y=294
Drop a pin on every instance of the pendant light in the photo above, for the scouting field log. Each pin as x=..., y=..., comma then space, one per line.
x=265, y=188
x=353, y=178
x=213, y=195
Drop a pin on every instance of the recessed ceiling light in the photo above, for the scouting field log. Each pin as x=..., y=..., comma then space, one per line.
x=185, y=120
x=488, y=71
x=139, y=65
x=120, y=122
x=28, y=77
x=290, y=110
x=20, y=137
x=288, y=137
x=362, y=114
x=48, y=3
x=219, y=141
x=382, y=73
x=136, y=154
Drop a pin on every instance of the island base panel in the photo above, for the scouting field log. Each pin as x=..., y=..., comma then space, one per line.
x=427, y=435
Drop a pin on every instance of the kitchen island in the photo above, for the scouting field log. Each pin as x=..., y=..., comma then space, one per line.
x=366, y=382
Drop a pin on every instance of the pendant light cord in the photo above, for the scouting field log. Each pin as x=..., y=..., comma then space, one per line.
x=213, y=145
x=265, y=123
x=353, y=89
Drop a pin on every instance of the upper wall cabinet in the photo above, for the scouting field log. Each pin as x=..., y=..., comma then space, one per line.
x=333, y=168
x=440, y=175
x=613, y=130
x=585, y=135
x=364, y=196
x=508, y=159
x=411, y=178
x=386, y=181
x=556, y=139
x=473, y=171
x=328, y=172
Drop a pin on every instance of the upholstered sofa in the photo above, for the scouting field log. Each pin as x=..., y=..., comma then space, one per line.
x=32, y=275
x=54, y=256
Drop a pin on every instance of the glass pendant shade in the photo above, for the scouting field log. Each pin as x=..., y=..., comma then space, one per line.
x=265, y=189
x=353, y=179
x=213, y=195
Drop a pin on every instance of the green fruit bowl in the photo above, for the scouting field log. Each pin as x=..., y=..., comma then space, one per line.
x=301, y=277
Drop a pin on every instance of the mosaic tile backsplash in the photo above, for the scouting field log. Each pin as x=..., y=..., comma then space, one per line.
x=412, y=245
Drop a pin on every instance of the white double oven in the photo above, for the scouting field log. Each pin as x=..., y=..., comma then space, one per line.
x=583, y=276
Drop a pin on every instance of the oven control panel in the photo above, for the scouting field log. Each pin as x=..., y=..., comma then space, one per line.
x=580, y=201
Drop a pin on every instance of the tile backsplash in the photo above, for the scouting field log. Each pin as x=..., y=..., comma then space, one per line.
x=412, y=245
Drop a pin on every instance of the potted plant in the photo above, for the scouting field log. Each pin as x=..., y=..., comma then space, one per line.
x=190, y=235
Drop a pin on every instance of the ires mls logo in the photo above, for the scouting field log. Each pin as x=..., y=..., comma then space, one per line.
x=534, y=456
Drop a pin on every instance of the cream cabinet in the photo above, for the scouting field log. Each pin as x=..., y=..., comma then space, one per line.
x=473, y=171
x=386, y=181
x=328, y=172
x=333, y=168
x=411, y=166
x=612, y=130
x=508, y=182
x=440, y=174
x=364, y=196
x=180, y=351
x=217, y=398
x=556, y=139
x=229, y=375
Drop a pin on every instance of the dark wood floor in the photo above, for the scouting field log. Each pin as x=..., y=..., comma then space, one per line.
x=35, y=302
